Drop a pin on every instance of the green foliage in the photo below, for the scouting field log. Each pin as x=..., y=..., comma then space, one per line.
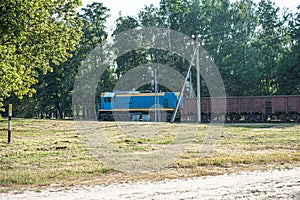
x=34, y=34
x=288, y=72
x=55, y=89
x=94, y=18
x=129, y=60
x=269, y=44
x=252, y=44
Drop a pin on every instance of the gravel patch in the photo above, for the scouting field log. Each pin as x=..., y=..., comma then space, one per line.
x=272, y=184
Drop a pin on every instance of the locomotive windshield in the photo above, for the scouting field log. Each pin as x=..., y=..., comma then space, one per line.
x=107, y=99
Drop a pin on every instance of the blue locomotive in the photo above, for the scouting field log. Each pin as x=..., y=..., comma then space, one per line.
x=138, y=106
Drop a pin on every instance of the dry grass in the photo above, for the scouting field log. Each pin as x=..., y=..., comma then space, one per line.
x=45, y=152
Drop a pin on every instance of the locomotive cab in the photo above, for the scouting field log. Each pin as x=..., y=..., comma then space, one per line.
x=107, y=101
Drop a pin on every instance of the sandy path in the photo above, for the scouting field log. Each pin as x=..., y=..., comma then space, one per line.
x=275, y=184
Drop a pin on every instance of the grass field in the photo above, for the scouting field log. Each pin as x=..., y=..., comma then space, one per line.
x=45, y=152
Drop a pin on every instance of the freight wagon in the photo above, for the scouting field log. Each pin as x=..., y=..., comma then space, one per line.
x=245, y=109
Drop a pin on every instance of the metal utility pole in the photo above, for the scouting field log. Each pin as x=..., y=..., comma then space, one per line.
x=198, y=79
x=191, y=85
x=198, y=86
x=197, y=51
x=155, y=98
x=182, y=89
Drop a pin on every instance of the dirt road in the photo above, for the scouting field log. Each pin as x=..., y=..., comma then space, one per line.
x=274, y=184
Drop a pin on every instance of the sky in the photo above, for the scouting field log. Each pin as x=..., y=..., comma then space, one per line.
x=132, y=7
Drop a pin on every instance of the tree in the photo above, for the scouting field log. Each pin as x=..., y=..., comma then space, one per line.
x=55, y=89
x=34, y=34
x=247, y=41
x=270, y=44
x=131, y=59
x=149, y=17
x=288, y=72
x=241, y=76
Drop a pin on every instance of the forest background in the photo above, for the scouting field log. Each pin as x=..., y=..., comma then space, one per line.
x=256, y=47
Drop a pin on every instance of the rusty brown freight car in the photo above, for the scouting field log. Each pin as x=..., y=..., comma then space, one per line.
x=286, y=108
x=249, y=109
x=253, y=109
x=245, y=109
x=189, y=112
x=233, y=109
